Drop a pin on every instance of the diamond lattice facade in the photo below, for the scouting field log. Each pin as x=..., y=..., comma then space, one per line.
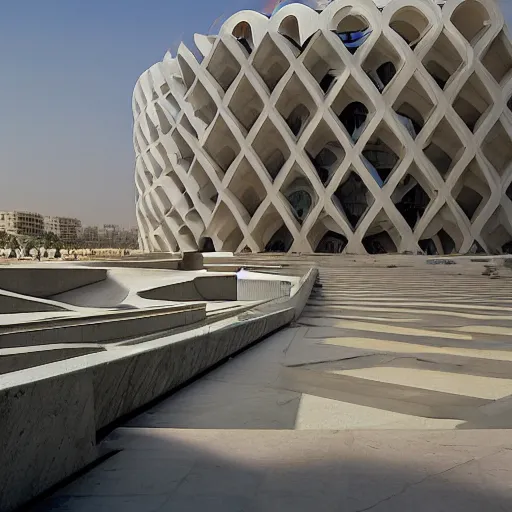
x=359, y=127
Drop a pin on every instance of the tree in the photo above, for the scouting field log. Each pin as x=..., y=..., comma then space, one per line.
x=4, y=240
x=51, y=240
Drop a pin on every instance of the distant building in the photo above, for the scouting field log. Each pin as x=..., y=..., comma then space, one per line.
x=110, y=236
x=67, y=229
x=22, y=223
x=90, y=235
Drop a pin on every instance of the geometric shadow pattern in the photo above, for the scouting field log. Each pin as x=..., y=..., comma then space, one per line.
x=356, y=128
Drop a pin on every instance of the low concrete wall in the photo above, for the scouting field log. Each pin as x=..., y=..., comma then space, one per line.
x=131, y=382
x=303, y=292
x=16, y=303
x=49, y=415
x=45, y=282
x=197, y=289
x=101, y=329
x=14, y=361
x=155, y=264
x=47, y=433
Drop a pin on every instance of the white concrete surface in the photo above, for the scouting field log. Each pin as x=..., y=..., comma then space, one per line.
x=280, y=139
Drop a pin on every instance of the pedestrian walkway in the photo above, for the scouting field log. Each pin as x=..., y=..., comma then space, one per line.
x=393, y=392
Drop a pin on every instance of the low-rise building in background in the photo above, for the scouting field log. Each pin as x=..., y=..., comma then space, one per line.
x=69, y=231
x=66, y=228
x=22, y=223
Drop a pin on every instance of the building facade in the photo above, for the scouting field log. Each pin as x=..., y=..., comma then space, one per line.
x=358, y=127
x=110, y=236
x=22, y=223
x=67, y=229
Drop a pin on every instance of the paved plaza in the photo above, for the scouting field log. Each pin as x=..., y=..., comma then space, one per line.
x=390, y=393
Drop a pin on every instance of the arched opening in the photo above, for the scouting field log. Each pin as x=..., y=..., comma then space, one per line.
x=382, y=153
x=353, y=118
x=410, y=118
x=206, y=245
x=497, y=232
x=204, y=107
x=413, y=106
x=410, y=24
x=350, y=108
x=298, y=118
x=498, y=59
x=271, y=148
x=325, y=156
x=350, y=23
x=428, y=247
x=442, y=60
x=270, y=63
x=447, y=242
x=444, y=148
x=301, y=202
x=380, y=243
x=246, y=104
x=353, y=31
x=471, y=20
x=186, y=72
x=222, y=145
x=243, y=34
x=331, y=243
x=411, y=198
x=323, y=62
x=385, y=73
x=165, y=125
x=472, y=102
x=352, y=198
x=295, y=105
x=225, y=157
x=247, y=187
x=233, y=240
x=327, y=160
x=201, y=183
x=444, y=232
x=223, y=66
x=153, y=132
x=438, y=73
x=289, y=28
x=381, y=236
x=160, y=244
x=509, y=192
x=497, y=148
x=281, y=241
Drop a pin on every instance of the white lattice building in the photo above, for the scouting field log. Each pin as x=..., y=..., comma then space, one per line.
x=358, y=127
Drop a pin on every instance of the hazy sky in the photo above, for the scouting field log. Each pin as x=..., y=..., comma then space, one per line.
x=67, y=72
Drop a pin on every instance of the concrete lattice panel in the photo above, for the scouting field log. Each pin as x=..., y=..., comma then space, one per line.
x=283, y=137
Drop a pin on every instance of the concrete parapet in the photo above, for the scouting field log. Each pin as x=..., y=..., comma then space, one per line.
x=50, y=414
x=13, y=360
x=16, y=303
x=47, y=433
x=101, y=328
x=207, y=287
x=44, y=282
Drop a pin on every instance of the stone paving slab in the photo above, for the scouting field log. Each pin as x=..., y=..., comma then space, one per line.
x=248, y=471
